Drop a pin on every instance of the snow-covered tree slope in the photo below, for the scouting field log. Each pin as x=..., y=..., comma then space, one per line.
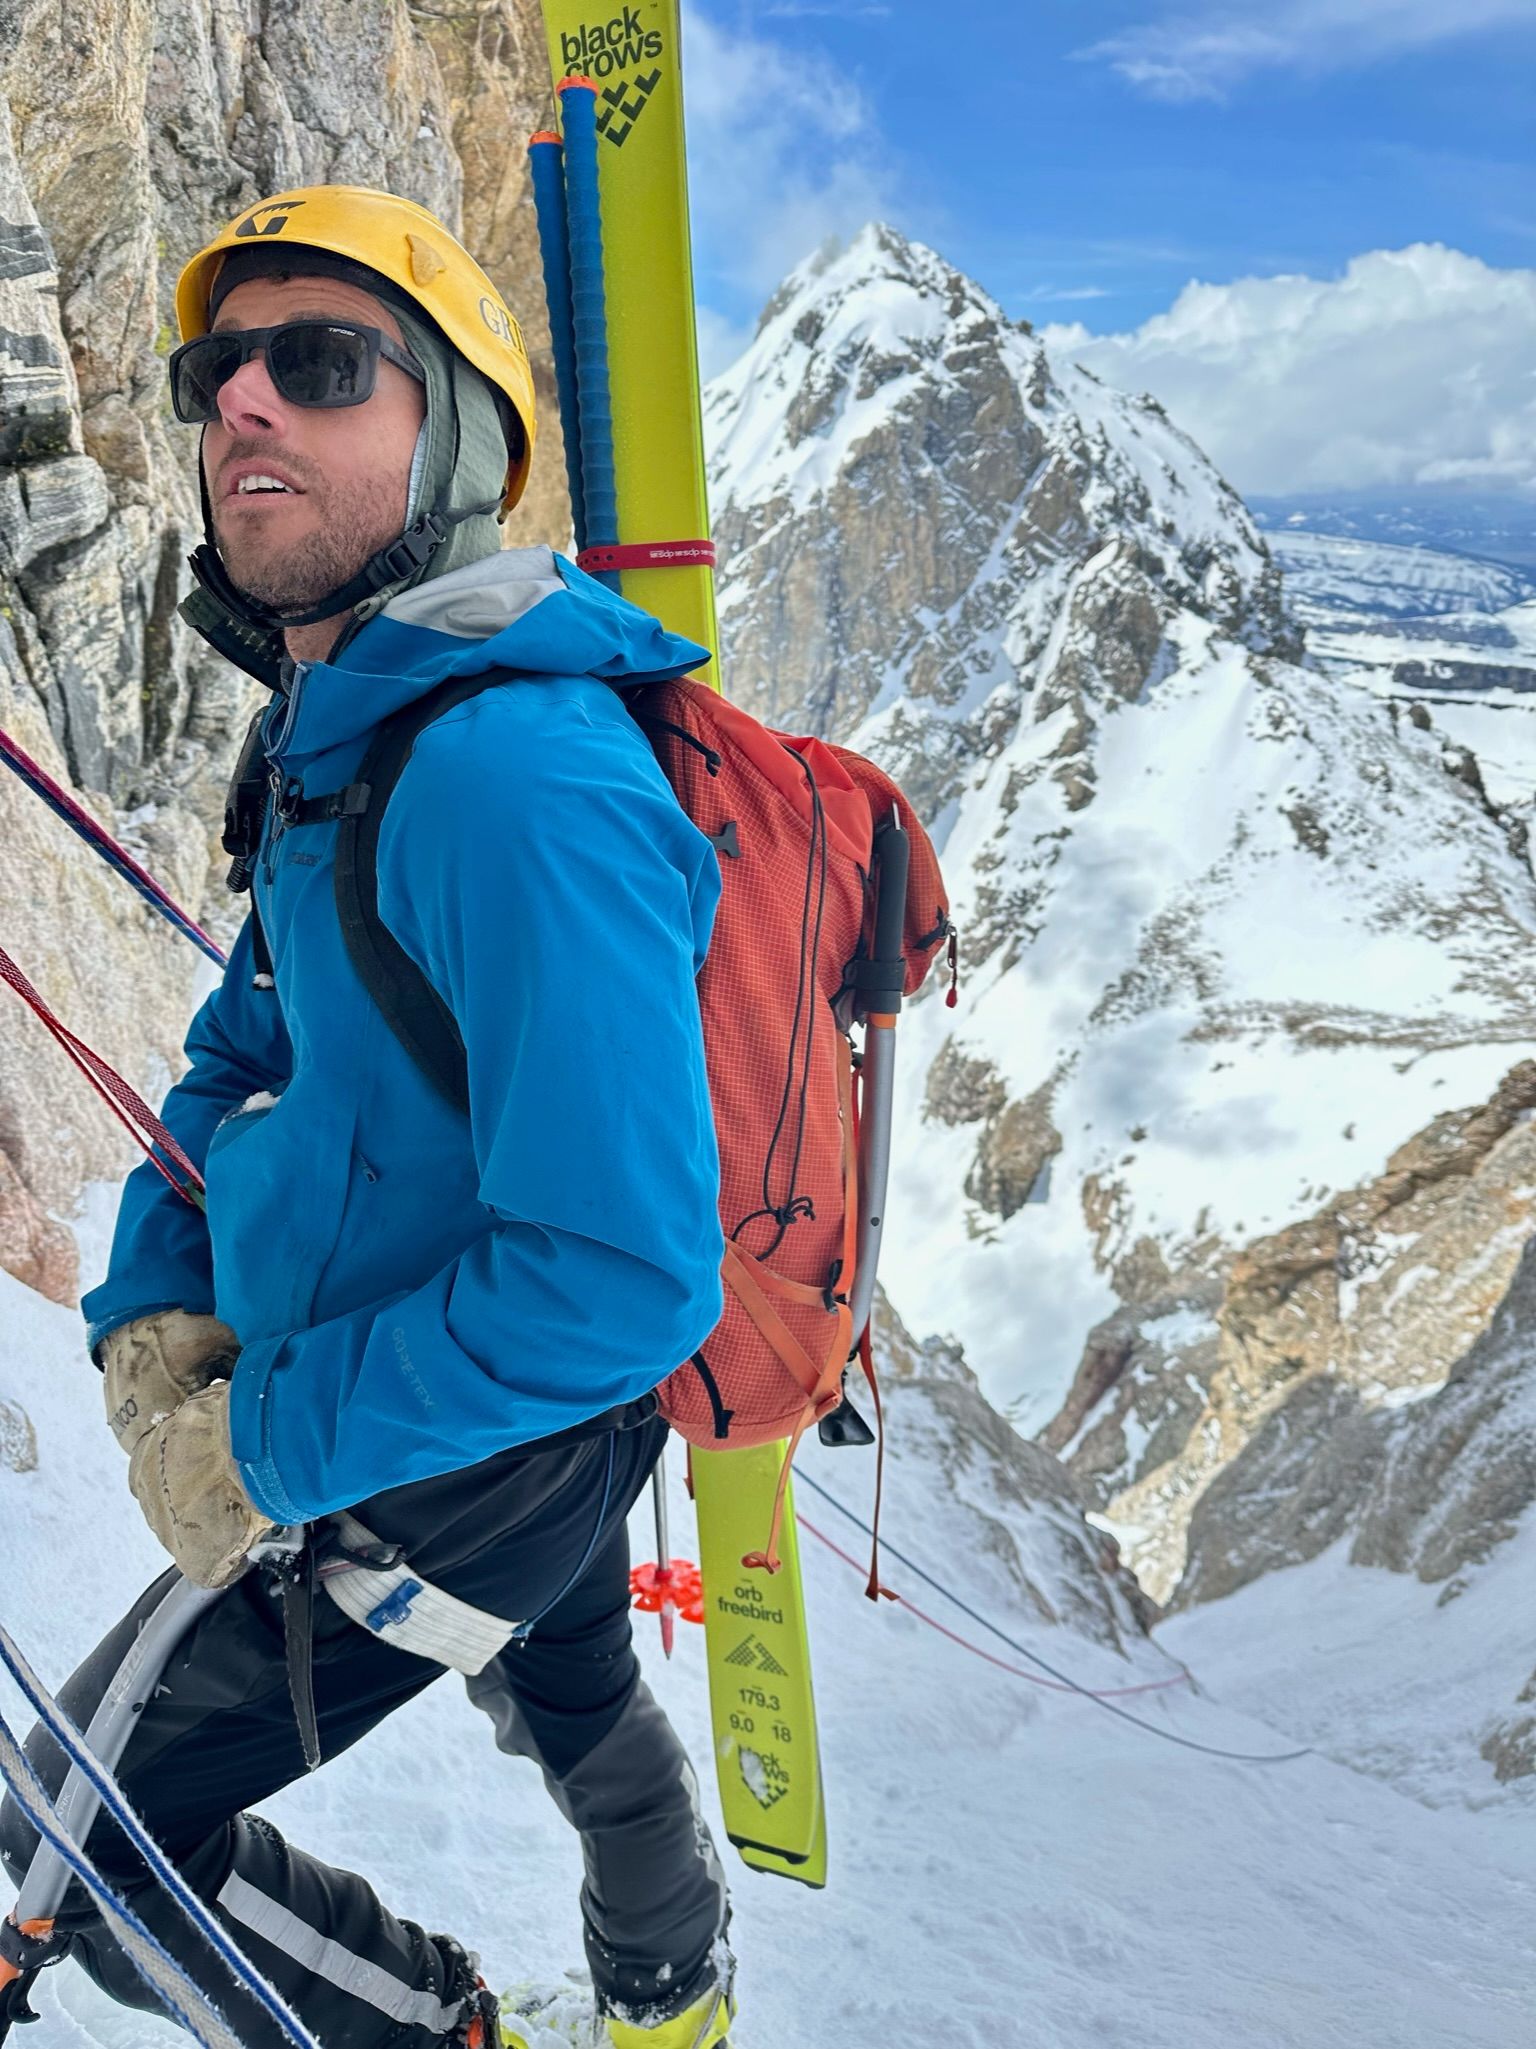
x=1010, y=1866
x=1330, y=579
x=1231, y=930
x=1454, y=635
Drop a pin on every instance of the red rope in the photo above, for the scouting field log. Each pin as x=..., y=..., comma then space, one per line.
x=125, y=1103
x=94, y=831
x=1051, y=1685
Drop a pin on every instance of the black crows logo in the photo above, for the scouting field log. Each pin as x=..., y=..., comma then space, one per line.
x=623, y=104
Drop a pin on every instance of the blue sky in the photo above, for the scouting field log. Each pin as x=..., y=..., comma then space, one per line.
x=1085, y=160
x=1058, y=147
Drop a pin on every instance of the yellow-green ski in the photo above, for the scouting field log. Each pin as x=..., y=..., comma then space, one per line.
x=766, y=1746
x=632, y=55
x=767, y=1752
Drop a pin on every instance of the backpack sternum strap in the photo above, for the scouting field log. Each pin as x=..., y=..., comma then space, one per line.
x=295, y=808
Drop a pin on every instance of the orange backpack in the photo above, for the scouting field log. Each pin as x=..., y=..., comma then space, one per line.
x=832, y=909
x=804, y=832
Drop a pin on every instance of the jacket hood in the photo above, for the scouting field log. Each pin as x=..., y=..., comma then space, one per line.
x=524, y=609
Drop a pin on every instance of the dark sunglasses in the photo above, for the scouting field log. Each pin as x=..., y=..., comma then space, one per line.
x=311, y=363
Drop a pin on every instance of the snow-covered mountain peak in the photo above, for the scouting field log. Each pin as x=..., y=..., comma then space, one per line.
x=883, y=336
x=881, y=281
x=914, y=502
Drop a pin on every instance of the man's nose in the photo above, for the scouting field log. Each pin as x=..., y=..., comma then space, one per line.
x=249, y=401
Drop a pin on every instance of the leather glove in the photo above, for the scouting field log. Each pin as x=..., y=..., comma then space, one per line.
x=184, y=1477
x=150, y=1366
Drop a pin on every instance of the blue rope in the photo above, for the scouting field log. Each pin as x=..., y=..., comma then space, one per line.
x=109, y=854
x=69, y=1740
x=183, y=1998
x=545, y=161
x=589, y=319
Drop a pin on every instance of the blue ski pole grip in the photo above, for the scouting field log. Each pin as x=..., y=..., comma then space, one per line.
x=589, y=316
x=546, y=161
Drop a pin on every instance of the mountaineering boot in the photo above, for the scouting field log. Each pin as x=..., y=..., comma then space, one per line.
x=530, y=2015
x=479, y=2023
x=481, y=2028
x=700, y=2026
x=538, y=2013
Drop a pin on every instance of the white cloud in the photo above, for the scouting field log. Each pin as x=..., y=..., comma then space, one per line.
x=1056, y=295
x=1417, y=366
x=783, y=151
x=1203, y=53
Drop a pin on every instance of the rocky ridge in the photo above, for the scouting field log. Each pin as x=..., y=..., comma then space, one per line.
x=1237, y=1414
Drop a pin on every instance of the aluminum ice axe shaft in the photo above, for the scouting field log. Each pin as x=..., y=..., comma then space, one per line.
x=880, y=983
x=129, y=1692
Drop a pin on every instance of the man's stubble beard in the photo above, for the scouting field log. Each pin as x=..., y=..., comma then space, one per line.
x=294, y=576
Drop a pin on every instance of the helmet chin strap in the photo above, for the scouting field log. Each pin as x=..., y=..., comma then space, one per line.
x=388, y=567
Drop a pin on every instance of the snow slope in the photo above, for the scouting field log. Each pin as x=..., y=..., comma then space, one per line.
x=1222, y=1014
x=1011, y=1868
x=1379, y=1670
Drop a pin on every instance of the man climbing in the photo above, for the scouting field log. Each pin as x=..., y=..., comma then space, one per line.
x=430, y=1336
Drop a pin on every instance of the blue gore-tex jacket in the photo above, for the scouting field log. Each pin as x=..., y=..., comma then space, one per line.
x=412, y=1291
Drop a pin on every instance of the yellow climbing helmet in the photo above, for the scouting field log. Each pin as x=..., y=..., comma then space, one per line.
x=415, y=252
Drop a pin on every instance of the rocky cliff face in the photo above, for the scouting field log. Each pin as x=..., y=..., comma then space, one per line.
x=1240, y=1414
x=1233, y=931
x=1021, y=1515
x=921, y=520
x=129, y=131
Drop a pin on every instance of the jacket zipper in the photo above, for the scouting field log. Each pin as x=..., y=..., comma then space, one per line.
x=273, y=745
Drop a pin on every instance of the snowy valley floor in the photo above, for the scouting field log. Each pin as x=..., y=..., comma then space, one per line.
x=1011, y=1869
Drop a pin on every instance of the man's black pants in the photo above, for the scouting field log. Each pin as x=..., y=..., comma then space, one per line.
x=220, y=1735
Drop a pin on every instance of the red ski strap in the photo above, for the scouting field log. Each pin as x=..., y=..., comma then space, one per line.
x=647, y=555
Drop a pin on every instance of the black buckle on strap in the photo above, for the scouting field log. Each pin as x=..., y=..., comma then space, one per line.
x=294, y=808
x=414, y=547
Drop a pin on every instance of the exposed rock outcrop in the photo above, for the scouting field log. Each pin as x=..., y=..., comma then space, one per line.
x=1024, y=1517
x=1247, y=1418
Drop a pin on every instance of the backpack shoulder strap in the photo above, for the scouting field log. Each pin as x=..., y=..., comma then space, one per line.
x=412, y=1008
